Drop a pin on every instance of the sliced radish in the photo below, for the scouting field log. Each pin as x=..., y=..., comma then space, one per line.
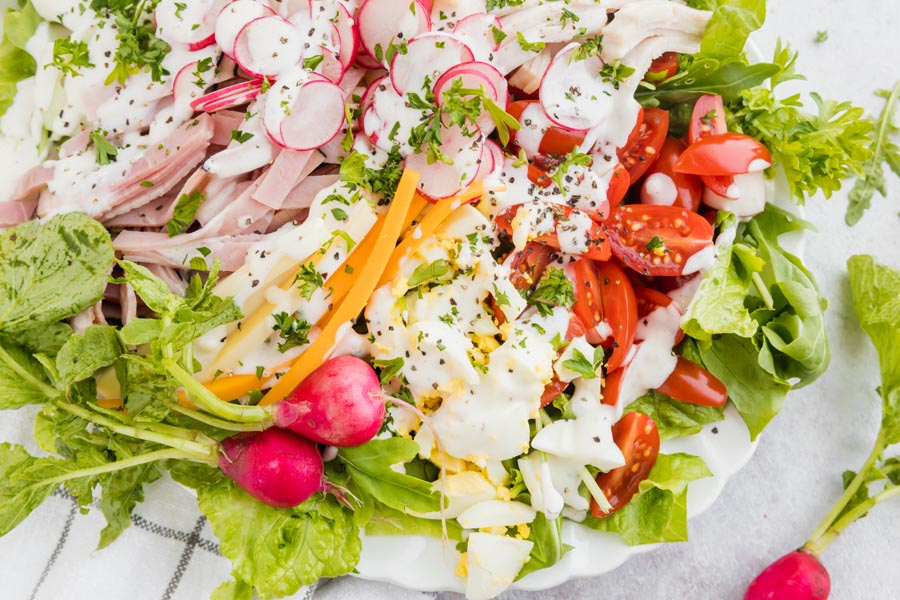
x=316, y=26
x=477, y=29
x=303, y=111
x=492, y=159
x=475, y=75
x=390, y=120
x=426, y=59
x=289, y=8
x=233, y=17
x=327, y=63
x=440, y=180
x=572, y=93
x=268, y=46
x=189, y=84
x=366, y=61
x=348, y=34
x=233, y=95
x=382, y=22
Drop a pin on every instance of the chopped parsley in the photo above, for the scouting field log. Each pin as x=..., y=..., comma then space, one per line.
x=106, y=152
x=383, y=180
x=139, y=48
x=311, y=62
x=568, y=16
x=529, y=46
x=204, y=65
x=616, y=72
x=185, y=212
x=589, y=47
x=554, y=289
x=434, y=272
x=582, y=365
x=821, y=36
x=308, y=280
x=70, y=55
x=294, y=332
x=572, y=159
x=389, y=369
x=241, y=136
x=498, y=34
x=656, y=244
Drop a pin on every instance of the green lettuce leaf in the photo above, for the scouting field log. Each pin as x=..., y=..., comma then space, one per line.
x=22, y=483
x=387, y=521
x=548, y=549
x=279, y=550
x=22, y=378
x=731, y=24
x=659, y=512
x=15, y=63
x=876, y=299
x=50, y=271
x=85, y=353
x=674, y=418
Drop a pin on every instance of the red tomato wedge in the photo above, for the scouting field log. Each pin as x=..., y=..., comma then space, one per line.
x=556, y=140
x=724, y=154
x=707, y=118
x=619, y=183
x=598, y=245
x=604, y=294
x=637, y=437
x=688, y=188
x=663, y=66
x=611, y=386
x=657, y=240
x=527, y=265
x=639, y=153
x=693, y=384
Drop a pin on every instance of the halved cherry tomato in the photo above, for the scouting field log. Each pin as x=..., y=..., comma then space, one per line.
x=657, y=240
x=604, y=294
x=619, y=183
x=637, y=437
x=649, y=300
x=640, y=154
x=724, y=154
x=719, y=184
x=611, y=386
x=598, y=245
x=555, y=140
x=689, y=189
x=663, y=66
x=693, y=384
x=539, y=177
x=527, y=265
x=635, y=131
x=707, y=118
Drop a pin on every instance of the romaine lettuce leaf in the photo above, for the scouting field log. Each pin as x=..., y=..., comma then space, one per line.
x=731, y=24
x=659, y=512
x=15, y=63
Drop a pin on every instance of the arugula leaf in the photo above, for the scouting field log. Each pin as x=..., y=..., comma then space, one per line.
x=674, y=418
x=548, y=549
x=731, y=24
x=883, y=151
x=659, y=512
x=727, y=78
x=278, y=550
x=369, y=467
x=52, y=270
x=84, y=354
x=16, y=63
x=876, y=299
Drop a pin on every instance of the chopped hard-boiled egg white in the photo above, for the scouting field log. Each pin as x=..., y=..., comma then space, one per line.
x=492, y=563
x=463, y=490
x=496, y=513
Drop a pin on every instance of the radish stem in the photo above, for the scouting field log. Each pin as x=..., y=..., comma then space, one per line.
x=858, y=480
x=203, y=452
x=202, y=417
x=212, y=404
x=818, y=546
x=119, y=465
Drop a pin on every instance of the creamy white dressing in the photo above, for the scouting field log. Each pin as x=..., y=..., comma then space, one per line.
x=652, y=359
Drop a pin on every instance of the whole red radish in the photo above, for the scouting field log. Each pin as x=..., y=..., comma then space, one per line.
x=795, y=576
x=339, y=404
x=277, y=467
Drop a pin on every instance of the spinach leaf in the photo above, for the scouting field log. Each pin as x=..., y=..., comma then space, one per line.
x=51, y=271
x=85, y=353
x=674, y=418
x=369, y=467
x=659, y=512
x=22, y=379
x=756, y=395
x=548, y=549
x=278, y=550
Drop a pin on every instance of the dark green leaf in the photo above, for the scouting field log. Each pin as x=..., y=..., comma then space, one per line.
x=674, y=418
x=548, y=549
x=84, y=354
x=727, y=78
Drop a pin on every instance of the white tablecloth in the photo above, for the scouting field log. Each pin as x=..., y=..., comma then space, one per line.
x=767, y=509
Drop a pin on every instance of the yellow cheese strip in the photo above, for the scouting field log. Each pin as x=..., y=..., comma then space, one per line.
x=358, y=294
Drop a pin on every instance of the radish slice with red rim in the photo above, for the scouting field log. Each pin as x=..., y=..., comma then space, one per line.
x=366, y=61
x=477, y=29
x=289, y=8
x=491, y=160
x=427, y=57
x=233, y=95
x=439, y=179
x=268, y=46
x=233, y=17
x=325, y=62
x=390, y=120
x=475, y=75
x=572, y=93
x=382, y=22
x=303, y=111
x=190, y=84
x=348, y=35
